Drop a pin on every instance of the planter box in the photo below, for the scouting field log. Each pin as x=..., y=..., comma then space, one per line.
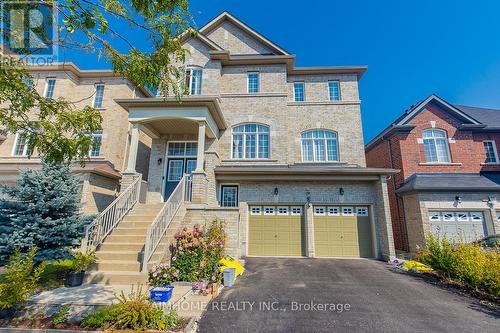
x=161, y=294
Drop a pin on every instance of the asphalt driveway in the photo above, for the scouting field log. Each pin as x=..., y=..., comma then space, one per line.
x=335, y=295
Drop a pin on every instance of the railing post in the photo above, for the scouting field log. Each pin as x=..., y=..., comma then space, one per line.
x=147, y=245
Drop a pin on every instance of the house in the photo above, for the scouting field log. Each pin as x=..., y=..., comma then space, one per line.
x=101, y=175
x=448, y=183
x=275, y=150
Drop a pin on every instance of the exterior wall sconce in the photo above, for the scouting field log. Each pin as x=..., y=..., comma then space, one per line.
x=276, y=191
x=341, y=191
x=308, y=198
x=491, y=200
x=159, y=161
x=458, y=199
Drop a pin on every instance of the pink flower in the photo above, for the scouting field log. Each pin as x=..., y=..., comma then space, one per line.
x=155, y=274
x=165, y=275
x=180, y=248
x=175, y=274
x=174, y=258
x=213, y=277
x=181, y=252
x=162, y=265
x=154, y=268
x=212, y=243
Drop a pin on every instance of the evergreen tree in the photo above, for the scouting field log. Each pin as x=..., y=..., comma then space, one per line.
x=42, y=211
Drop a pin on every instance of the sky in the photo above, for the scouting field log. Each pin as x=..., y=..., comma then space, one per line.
x=412, y=48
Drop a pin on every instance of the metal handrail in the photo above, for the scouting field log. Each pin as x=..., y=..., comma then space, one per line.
x=108, y=219
x=157, y=229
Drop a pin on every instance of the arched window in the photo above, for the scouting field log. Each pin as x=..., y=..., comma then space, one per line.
x=250, y=141
x=436, y=146
x=194, y=76
x=319, y=146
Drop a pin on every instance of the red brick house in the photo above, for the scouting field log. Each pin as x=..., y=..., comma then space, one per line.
x=450, y=171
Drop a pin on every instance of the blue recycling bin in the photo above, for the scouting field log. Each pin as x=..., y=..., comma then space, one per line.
x=161, y=294
x=229, y=276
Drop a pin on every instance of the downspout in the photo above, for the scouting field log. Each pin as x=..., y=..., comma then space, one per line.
x=401, y=215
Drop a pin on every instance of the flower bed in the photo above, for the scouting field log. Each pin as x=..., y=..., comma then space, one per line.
x=195, y=258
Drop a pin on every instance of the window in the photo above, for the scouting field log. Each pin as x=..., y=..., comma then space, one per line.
x=362, y=211
x=250, y=141
x=282, y=210
x=462, y=216
x=334, y=90
x=269, y=210
x=296, y=211
x=255, y=210
x=49, y=88
x=298, y=91
x=182, y=149
x=229, y=196
x=98, y=96
x=95, y=150
x=436, y=146
x=434, y=216
x=253, y=83
x=448, y=216
x=319, y=210
x=28, y=81
x=333, y=211
x=476, y=216
x=175, y=170
x=319, y=146
x=193, y=80
x=347, y=211
x=491, y=151
x=21, y=147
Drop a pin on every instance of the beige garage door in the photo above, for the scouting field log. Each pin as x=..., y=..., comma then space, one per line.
x=276, y=231
x=342, y=232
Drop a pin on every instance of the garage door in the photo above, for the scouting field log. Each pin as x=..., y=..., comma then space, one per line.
x=468, y=226
x=342, y=232
x=276, y=231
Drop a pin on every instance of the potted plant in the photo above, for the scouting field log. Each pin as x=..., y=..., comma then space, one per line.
x=81, y=262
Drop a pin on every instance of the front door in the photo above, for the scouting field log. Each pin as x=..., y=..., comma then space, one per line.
x=176, y=168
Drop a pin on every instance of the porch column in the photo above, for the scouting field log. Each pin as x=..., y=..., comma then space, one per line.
x=200, y=158
x=132, y=151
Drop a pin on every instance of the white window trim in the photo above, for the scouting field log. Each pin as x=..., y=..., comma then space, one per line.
x=251, y=210
x=358, y=209
x=495, y=151
x=349, y=214
x=445, y=219
x=293, y=90
x=95, y=95
x=190, y=69
x=100, y=146
x=477, y=216
x=244, y=144
x=435, y=145
x=281, y=207
x=296, y=207
x=315, y=160
x=25, y=148
x=222, y=186
x=437, y=214
x=318, y=213
x=329, y=95
x=333, y=207
x=264, y=210
x=467, y=218
x=248, y=82
x=181, y=156
x=46, y=89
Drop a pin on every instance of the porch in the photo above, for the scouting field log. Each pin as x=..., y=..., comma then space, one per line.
x=181, y=133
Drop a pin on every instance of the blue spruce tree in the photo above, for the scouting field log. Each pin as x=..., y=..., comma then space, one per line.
x=42, y=211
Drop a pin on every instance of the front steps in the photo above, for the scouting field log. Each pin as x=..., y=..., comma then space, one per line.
x=120, y=255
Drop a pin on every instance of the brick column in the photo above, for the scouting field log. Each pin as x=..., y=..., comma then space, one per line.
x=199, y=188
x=309, y=230
x=127, y=179
x=383, y=223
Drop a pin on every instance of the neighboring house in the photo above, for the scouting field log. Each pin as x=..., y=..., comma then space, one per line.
x=450, y=169
x=275, y=150
x=102, y=173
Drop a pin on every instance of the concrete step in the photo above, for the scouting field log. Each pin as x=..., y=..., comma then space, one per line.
x=134, y=224
x=125, y=238
x=119, y=255
x=107, y=246
x=130, y=231
x=139, y=218
x=103, y=277
x=117, y=266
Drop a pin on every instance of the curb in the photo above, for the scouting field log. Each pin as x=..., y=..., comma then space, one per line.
x=191, y=326
x=42, y=330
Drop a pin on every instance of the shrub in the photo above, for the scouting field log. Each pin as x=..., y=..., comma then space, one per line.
x=134, y=311
x=20, y=279
x=465, y=262
x=55, y=272
x=83, y=260
x=62, y=315
x=195, y=256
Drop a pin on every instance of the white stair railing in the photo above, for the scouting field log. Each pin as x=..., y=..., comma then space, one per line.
x=157, y=229
x=96, y=232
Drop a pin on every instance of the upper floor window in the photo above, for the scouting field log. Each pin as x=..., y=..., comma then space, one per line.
x=491, y=151
x=436, y=146
x=250, y=141
x=193, y=80
x=98, y=96
x=95, y=151
x=49, y=88
x=28, y=81
x=319, y=146
x=334, y=90
x=298, y=91
x=253, y=82
x=21, y=147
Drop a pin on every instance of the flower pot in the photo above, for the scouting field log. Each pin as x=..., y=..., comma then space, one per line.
x=74, y=279
x=161, y=294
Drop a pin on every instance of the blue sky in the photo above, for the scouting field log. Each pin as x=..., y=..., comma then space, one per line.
x=412, y=48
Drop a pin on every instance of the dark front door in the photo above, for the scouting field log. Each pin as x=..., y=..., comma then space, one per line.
x=176, y=168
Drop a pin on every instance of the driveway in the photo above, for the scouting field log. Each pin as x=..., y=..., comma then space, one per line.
x=340, y=295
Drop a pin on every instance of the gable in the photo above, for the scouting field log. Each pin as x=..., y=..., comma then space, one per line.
x=239, y=39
